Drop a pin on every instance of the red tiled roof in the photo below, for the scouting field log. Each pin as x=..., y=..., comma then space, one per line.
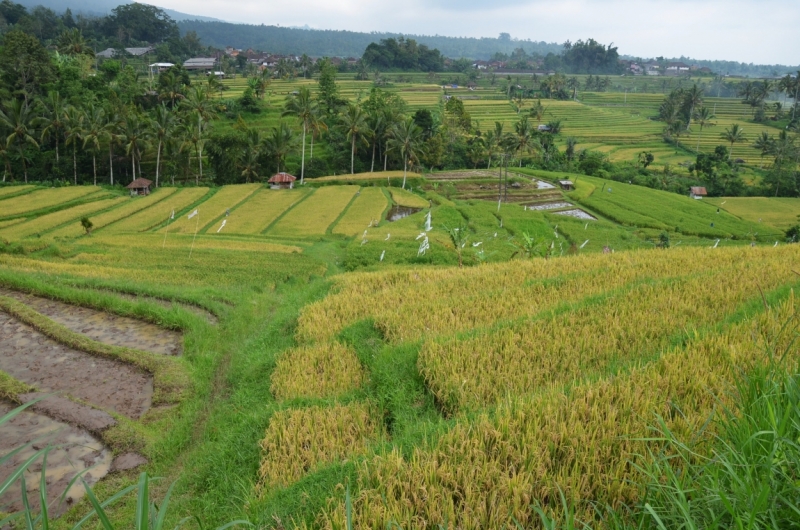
x=282, y=178
x=699, y=190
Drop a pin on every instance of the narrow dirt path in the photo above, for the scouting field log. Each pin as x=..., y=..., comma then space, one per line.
x=105, y=327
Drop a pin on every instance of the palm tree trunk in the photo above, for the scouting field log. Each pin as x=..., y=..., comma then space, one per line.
x=111, y=162
x=385, y=156
x=94, y=167
x=133, y=165
x=75, y=163
x=303, y=156
x=56, y=148
x=197, y=175
x=158, y=161
x=24, y=167
x=353, y=155
x=405, y=167
x=489, y=164
x=372, y=167
x=311, y=155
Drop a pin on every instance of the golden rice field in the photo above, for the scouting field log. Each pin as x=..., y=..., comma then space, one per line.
x=213, y=208
x=45, y=223
x=129, y=208
x=333, y=367
x=44, y=198
x=14, y=190
x=365, y=211
x=299, y=440
x=159, y=212
x=377, y=176
x=315, y=215
x=261, y=209
x=402, y=197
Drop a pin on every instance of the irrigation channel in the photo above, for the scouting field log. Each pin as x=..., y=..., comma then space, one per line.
x=79, y=395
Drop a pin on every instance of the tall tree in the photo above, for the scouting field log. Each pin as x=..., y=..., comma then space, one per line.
x=134, y=137
x=111, y=128
x=734, y=134
x=354, y=124
x=305, y=109
x=52, y=109
x=199, y=106
x=73, y=131
x=407, y=140
x=763, y=143
x=25, y=65
x=693, y=98
x=162, y=126
x=19, y=122
x=280, y=143
x=93, y=123
x=703, y=117
x=71, y=42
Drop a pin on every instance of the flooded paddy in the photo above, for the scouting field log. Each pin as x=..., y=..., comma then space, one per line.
x=548, y=205
x=578, y=213
x=400, y=212
x=37, y=360
x=104, y=327
x=74, y=450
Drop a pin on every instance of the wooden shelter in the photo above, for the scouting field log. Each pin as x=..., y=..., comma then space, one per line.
x=566, y=184
x=697, y=192
x=140, y=186
x=281, y=181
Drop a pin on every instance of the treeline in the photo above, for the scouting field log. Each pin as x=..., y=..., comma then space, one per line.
x=403, y=54
x=683, y=109
x=127, y=26
x=333, y=43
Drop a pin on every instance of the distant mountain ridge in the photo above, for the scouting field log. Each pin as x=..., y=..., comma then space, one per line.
x=104, y=7
x=340, y=43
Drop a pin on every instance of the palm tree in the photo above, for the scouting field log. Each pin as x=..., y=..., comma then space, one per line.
x=304, y=107
x=53, y=117
x=19, y=122
x=378, y=130
x=249, y=159
x=280, y=143
x=305, y=65
x=73, y=130
x=5, y=154
x=692, y=97
x=199, y=105
x=763, y=143
x=538, y=110
x=111, y=126
x=734, y=134
x=354, y=124
x=94, y=121
x=171, y=87
x=523, y=137
x=71, y=42
x=574, y=84
x=162, y=126
x=703, y=118
x=134, y=137
x=407, y=139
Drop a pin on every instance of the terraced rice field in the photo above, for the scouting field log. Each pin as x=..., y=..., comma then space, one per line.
x=42, y=199
x=365, y=211
x=211, y=209
x=15, y=190
x=160, y=212
x=261, y=209
x=315, y=215
x=779, y=212
x=72, y=216
x=128, y=209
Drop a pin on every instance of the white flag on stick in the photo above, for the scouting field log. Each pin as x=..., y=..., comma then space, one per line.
x=193, y=213
x=584, y=243
x=222, y=225
x=172, y=215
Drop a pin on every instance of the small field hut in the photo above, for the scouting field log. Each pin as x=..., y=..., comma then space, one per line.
x=282, y=180
x=697, y=192
x=140, y=186
x=566, y=184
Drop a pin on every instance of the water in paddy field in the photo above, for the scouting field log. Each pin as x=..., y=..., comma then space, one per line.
x=73, y=450
x=548, y=206
x=399, y=212
x=578, y=213
x=104, y=327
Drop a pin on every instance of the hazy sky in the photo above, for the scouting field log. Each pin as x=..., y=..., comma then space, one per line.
x=758, y=31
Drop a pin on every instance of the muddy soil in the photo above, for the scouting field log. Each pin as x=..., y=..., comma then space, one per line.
x=74, y=451
x=34, y=358
x=396, y=213
x=104, y=327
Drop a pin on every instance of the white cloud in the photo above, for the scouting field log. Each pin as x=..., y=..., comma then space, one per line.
x=759, y=31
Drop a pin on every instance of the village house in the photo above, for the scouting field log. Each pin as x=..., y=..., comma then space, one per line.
x=201, y=63
x=697, y=192
x=108, y=53
x=677, y=69
x=140, y=186
x=281, y=180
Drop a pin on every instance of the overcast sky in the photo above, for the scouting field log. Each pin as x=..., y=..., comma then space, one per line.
x=758, y=31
